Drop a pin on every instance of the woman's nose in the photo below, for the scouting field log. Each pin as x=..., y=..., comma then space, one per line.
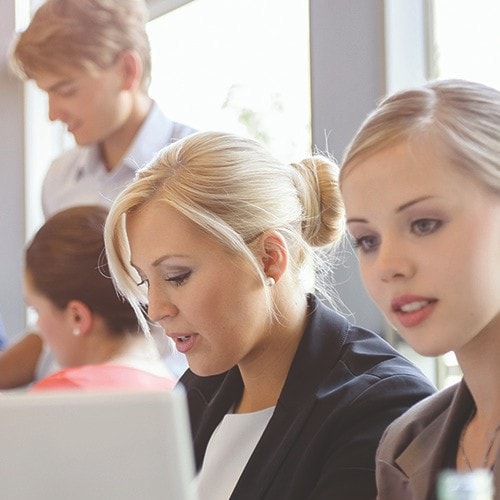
x=160, y=306
x=393, y=262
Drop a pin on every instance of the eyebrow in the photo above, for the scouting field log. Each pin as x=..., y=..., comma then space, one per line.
x=163, y=258
x=158, y=261
x=400, y=209
x=56, y=86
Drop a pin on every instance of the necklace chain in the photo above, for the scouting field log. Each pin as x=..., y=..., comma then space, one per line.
x=490, y=445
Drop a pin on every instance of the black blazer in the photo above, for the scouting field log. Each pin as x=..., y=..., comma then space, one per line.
x=345, y=385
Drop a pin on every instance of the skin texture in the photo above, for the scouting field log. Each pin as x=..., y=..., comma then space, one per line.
x=77, y=336
x=197, y=290
x=104, y=107
x=74, y=97
x=54, y=325
x=428, y=236
x=419, y=241
x=16, y=374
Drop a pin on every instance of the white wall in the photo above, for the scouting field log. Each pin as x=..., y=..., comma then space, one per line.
x=347, y=79
x=360, y=50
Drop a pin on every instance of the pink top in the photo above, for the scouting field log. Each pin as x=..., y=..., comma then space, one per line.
x=103, y=377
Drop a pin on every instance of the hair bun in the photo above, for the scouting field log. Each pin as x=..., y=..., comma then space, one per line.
x=323, y=210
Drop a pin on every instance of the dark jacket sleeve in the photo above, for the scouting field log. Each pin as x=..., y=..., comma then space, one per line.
x=349, y=471
x=333, y=457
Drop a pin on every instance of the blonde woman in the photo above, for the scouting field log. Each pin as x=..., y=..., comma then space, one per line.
x=215, y=240
x=421, y=185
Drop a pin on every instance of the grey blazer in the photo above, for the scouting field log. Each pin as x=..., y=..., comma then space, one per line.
x=420, y=443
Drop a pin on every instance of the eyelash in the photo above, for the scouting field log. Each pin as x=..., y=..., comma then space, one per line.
x=357, y=244
x=178, y=280
x=435, y=224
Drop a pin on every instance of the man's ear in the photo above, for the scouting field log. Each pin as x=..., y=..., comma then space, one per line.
x=80, y=317
x=131, y=66
x=274, y=254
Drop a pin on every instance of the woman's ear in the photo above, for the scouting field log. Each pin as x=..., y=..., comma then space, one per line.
x=274, y=255
x=80, y=318
x=131, y=66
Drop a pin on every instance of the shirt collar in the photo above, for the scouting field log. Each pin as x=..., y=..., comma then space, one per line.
x=89, y=161
x=154, y=134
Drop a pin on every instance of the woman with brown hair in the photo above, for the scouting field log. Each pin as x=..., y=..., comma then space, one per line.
x=93, y=334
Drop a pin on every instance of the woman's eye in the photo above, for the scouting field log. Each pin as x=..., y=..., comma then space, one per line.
x=67, y=91
x=365, y=243
x=179, y=279
x=425, y=226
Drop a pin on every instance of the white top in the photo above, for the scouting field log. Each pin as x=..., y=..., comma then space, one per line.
x=228, y=451
x=79, y=176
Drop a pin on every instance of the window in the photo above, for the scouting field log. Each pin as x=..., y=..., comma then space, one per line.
x=237, y=65
x=466, y=40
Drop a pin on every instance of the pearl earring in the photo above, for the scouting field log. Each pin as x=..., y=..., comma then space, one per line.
x=270, y=281
x=76, y=332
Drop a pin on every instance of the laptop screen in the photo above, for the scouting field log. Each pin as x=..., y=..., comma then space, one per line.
x=96, y=445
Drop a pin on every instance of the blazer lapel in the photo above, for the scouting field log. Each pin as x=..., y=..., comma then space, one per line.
x=325, y=330
x=219, y=405
x=432, y=444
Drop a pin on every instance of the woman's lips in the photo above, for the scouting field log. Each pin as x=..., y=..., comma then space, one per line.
x=411, y=311
x=185, y=343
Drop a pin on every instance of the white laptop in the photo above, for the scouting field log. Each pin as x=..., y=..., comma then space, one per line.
x=95, y=446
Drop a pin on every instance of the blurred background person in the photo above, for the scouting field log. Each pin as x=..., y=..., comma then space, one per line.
x=92, y=58
x=92, y=332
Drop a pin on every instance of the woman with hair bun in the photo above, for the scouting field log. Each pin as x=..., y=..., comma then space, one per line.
x=215, y=240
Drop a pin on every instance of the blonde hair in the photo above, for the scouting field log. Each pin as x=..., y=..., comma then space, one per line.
x=85, y=34
x=464, y=116
x=235, y=190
